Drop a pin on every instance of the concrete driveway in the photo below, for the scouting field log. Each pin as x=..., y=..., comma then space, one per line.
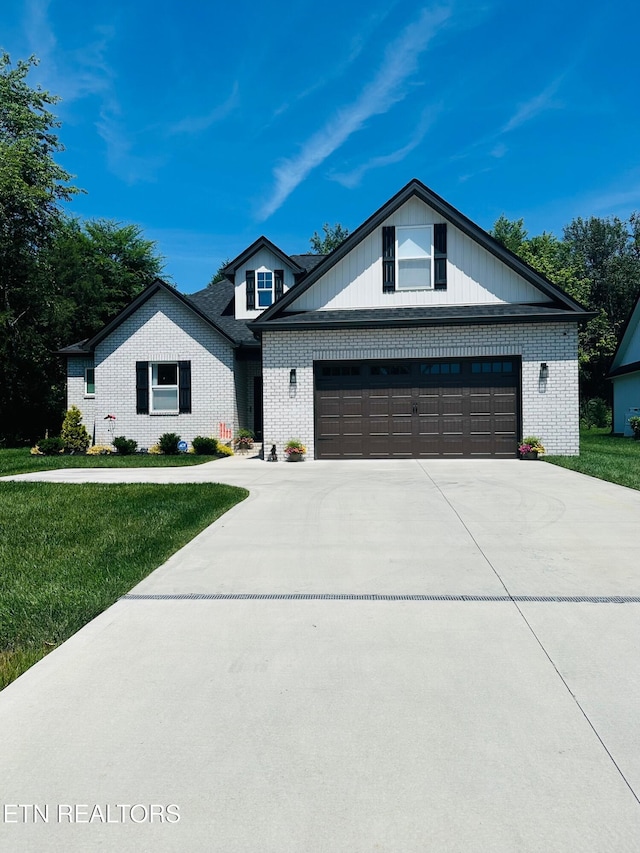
x=362, y=656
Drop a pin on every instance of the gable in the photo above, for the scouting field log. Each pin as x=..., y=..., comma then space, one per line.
x=263, y=260
x=628, y=351
x=475, y=276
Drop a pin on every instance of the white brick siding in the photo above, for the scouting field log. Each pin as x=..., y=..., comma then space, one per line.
x=162, y=329
x=549, y=408
x=76, y=367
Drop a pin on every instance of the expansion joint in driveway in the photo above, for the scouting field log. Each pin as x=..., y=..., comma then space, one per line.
x=322, y=596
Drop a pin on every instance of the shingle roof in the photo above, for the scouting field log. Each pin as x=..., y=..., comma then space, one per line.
x=422, y=316
x=217, y=303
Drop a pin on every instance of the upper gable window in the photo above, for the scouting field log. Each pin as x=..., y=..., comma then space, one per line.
x=265, y=289
x=414, y=254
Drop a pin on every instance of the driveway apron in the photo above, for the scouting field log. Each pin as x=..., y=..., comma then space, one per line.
x=362, y=656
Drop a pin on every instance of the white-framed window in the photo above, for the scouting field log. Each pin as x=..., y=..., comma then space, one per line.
x=265, y=289
x=164, y=386
x=90, y=382
x=414, y=254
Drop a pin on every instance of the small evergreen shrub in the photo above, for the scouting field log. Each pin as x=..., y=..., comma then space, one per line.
x=224, y=450
x=168, y=443
x=50, y=446
x=74, y=435
x=204, y=446
x=634, y=422
x=125, y=446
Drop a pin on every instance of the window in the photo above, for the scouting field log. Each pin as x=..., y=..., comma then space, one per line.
x=90, y=382
x=164, y=386
x=414, y=257
x=265, y=289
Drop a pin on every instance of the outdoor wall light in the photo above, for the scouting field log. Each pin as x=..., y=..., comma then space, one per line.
x=544, y=370
x=293, y=379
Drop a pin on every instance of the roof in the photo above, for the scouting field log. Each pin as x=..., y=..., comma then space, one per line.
x=262, y=243
x=418, y=189
x=632, y=367
x=452, y=315
x=217, y=302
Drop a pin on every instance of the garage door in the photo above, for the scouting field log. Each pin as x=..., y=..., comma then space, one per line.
x=417, y=408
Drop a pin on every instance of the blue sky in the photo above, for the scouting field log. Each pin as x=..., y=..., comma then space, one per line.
x=209, y=124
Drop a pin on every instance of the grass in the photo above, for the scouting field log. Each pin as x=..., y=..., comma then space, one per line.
x=606, y=457
x=20, y=461
x=69, y=551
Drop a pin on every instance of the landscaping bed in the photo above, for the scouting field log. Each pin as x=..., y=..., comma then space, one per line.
x=20, y=461
x=67, y=552
x=606, y=457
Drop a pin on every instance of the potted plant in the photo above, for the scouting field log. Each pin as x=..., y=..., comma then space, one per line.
x=294, y=450
x=531, y=447
x=244, y=440
x=634, y=423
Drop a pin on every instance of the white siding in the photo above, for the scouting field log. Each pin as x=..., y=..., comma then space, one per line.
x=474, y=276
x=263, y=261
x=549, y=408
x=162, y=329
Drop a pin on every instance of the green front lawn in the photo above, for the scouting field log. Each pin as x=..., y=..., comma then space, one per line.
x=69, y=551
x=604, y=456
x=20, y=461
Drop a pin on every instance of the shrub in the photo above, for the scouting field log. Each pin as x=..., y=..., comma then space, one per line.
x=224, y=450
x=100, y=450
x=595, y=412
x=155, y=450
x=74, y=435
x=125, y=446
x=168, y=443
x=204, y=446
x=50, y=446
x=634, y=422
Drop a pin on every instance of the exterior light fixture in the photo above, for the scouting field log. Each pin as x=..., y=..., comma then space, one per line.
x=293, y=380
x=544, y=370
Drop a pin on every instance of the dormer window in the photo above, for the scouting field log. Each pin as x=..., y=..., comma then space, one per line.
x=265, y=289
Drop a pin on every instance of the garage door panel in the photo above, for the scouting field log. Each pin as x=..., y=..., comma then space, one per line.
x=421, y=409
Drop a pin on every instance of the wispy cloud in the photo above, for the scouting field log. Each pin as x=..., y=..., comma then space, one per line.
x=378, y=96
x=83, y=73
x=352, y=179
x=533, y=107
x=196, y=124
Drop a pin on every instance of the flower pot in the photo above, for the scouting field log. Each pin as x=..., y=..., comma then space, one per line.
x=531, y=454
x=294, y=457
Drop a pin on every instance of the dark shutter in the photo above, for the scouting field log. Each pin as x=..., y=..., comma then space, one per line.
x=440, y=256
x=184, y=387
x=278, y=277
x=388, y=259
x=142, y=387
x=251, y=289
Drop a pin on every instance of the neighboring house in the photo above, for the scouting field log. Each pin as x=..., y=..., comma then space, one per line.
x=625, y=374
x=419, y=336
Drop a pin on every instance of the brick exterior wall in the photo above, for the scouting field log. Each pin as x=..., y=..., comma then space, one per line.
x=162, y=329
x=549, y=407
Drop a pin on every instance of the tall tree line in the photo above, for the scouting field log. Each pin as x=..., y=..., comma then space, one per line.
x=60, y=280
x=597, y=262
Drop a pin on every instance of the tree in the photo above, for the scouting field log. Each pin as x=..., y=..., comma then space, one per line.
x=510, y=232
x=333, y=236
x=32, y=187
x=74, y=433
x=219, y=275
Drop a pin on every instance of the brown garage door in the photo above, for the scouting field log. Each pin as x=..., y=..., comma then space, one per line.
x=425, y=408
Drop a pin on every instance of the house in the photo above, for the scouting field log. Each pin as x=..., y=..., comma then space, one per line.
x=624, y=373
x=419, y=336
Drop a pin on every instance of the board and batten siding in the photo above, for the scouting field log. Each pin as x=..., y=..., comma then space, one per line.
x=263, y=261
x=474, y=275
x=162, y=329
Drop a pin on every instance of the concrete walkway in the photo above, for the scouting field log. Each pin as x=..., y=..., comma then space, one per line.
x=362, y=656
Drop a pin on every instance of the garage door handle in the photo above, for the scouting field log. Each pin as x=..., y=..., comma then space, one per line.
x=415, y=408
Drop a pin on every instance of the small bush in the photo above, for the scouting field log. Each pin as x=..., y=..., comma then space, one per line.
x=168, y=443
x=50, y=446
x=595, y=413
x=224, y=450
x=204, y=446
x=100, y=450
x=74, y=435
x=634, y=422
x=155, y=450
x=125, y=446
